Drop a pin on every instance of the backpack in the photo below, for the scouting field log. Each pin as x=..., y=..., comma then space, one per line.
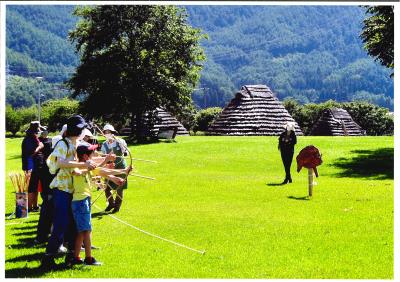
x=52, y=159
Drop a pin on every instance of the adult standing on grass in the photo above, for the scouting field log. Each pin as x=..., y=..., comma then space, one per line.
x=61, y=162
x=118, y=147
x=31, y=147
x=287, y=140
x=45, y=177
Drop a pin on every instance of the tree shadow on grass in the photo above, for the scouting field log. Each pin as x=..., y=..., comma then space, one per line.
x=377, y=164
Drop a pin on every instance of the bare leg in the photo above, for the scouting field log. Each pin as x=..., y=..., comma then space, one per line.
x=88, y=243
x=78, y=243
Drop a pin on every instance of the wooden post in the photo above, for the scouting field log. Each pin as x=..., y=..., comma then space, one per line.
x=310, y=181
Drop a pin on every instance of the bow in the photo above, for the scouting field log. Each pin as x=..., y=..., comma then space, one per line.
x=96, y=129
x=125, y=148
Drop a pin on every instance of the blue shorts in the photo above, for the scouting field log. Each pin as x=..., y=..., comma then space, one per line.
x=81, y=211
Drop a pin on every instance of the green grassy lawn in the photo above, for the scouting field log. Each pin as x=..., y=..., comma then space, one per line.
x=219, y=194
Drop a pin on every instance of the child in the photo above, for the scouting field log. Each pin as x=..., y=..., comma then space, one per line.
x=81, y=205
x=61, y=163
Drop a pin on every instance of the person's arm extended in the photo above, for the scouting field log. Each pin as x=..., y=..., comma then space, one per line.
x=63, y=163
x=101, y=161
x=115, y=179
x=104, y=172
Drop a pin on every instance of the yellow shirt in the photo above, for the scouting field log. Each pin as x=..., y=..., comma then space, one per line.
x=63, y=179
x=82, y=185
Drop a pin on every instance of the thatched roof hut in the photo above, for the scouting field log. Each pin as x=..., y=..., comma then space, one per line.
x=165, y=120
x=336, y=122
x=157, y=121
x=254, y=111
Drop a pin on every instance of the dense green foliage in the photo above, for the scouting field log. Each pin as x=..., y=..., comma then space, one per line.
x=205, y=117
x=13, y=120
x=373, y=119
x=220, y=194
x=36, y=41
x=54, y=113
x=149, y=57
x=18, y=119
x=310, y=53
x=378, y=34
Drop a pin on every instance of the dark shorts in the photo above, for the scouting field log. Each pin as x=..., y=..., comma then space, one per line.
x=33, y=182
x=81, y=211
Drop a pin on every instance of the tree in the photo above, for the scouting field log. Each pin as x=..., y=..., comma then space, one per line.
x=13, y=120
x=378, y=34
x=135, y=59
x=56, y=112
x=374, y=119
x=204, y=118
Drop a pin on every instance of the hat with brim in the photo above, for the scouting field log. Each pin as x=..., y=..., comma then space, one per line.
x=109, y=127
x=76, y=122
x=86, y=132
x=44, y=130
x=35, y=127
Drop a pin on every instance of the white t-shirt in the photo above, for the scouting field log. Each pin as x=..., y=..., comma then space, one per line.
x=54, y=140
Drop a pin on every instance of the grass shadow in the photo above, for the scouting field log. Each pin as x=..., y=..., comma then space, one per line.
x=23, y=246
x=26, y=227
x=99, y=214
x=377, y=164
x=25, y=272
x=27, y=241
x=26, y=233
x=275, y=184
x=14, y=157
x=305, y=198
x=31, y=257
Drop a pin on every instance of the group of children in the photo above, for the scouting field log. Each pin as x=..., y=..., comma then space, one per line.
x=74, y=162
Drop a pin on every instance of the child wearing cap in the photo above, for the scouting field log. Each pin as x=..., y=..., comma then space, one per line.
x=61, y=163
x=81, y=201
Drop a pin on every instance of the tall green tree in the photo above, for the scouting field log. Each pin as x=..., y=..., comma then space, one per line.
x=13, y=120
x=134, y=59
x=378, y=34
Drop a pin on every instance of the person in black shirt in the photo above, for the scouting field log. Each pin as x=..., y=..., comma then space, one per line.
x=287, y=140
x=46, y=211
x=30, y=148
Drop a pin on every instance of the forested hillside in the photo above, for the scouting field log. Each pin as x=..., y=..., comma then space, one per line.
x=310, y=53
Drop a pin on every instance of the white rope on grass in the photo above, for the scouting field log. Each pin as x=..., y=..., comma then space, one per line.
x=153, y=235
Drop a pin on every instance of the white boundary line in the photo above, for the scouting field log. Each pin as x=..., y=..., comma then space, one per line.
x=151, y=234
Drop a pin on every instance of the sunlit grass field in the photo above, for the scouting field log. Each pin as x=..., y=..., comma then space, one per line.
x=219, y=194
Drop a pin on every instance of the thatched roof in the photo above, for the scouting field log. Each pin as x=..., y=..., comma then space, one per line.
x=165, y=120
x=159, y=119
x=254, y=111
x=336, y=122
